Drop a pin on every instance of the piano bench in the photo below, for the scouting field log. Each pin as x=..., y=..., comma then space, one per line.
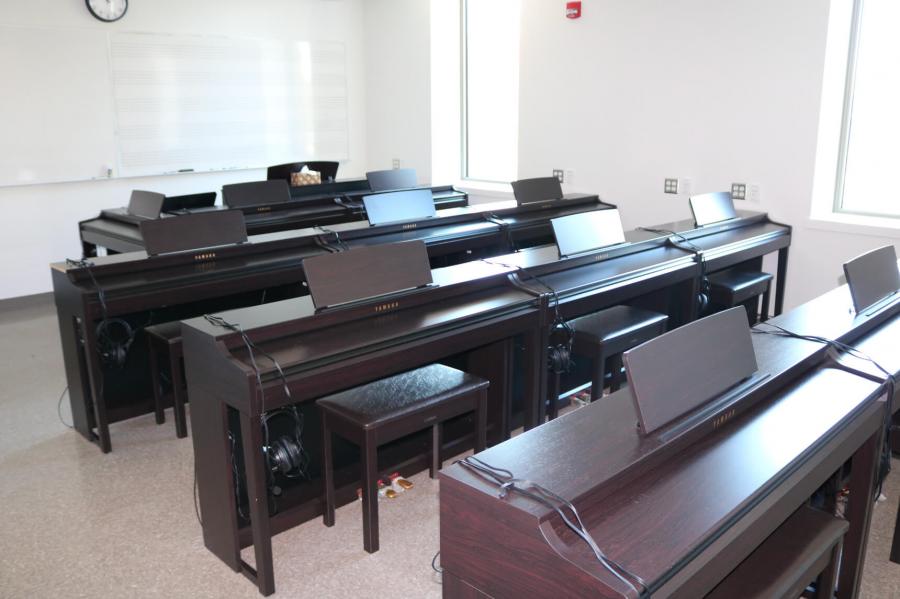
x=165, y=347
x=603, y=336
x=385, y=410
x=731, y=288
x=804, y=548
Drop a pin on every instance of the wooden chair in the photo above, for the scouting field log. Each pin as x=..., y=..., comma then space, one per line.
x=385, y=410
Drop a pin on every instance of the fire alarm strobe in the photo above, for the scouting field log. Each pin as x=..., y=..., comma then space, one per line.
x=573, y=10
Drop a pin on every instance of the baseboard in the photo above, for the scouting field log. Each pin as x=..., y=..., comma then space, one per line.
x=26, y=302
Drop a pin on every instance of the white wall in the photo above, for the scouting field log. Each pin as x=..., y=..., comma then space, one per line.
x=39, y=223
x=398, y=84
x=719, y=92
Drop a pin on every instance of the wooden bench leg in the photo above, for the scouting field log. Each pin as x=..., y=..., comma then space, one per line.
x=157, y=390
x=370, y=494
x=598, y=377
x=825, y=583
x=553, y=396
x=327, y=473
x=436, y=441
x=481, y=421
x=616, y=380
x=764, y=312
x=178, y=394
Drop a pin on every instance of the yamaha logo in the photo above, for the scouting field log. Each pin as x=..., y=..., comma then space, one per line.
x=386, y=307
x=723, y=418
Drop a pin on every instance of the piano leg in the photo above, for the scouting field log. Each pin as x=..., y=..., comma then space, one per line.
x=895, y=542
x=258, y=498
x=859, y=514
x=535, y=377
x=781, y=280
x=494, y=363
x=95, y=374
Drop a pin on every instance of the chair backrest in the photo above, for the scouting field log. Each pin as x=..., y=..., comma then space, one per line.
x=256, y=193
x=392, y=179
x=539, y=189
x=188, y=202
x=327, y=169
x=709, y=208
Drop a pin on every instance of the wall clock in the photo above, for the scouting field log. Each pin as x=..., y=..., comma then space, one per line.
x=107, y=10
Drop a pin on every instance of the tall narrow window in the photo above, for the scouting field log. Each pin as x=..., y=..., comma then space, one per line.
x=491, y=89
x=869, y=161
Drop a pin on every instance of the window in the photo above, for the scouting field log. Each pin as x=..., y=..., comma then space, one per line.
x=869, y=152
x=490, y=90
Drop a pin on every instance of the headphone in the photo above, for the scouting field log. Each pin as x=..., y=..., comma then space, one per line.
x=559, y=355
x=114, y=339
x=285, y=456
x=703, y=295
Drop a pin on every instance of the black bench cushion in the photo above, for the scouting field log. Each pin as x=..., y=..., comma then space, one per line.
x=617, y=328
x=167, y=331
x=737, y=286
x=403, y=394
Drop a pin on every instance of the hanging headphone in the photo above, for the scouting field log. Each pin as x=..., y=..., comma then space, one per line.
x=285, y=455
x=114, y=339
x=703, y=295
x=559, y=355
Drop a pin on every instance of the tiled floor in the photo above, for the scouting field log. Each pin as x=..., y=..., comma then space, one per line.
x=82, y=524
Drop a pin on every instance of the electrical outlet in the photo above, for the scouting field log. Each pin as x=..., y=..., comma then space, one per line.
x=738, y=191
x=396, y=163
x=560, y=174
x=570, y=176
x=753, y=193
x=685, y=186
x=671, y=186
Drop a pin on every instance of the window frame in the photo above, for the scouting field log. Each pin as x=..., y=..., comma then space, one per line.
x=847, y=117
x=464, y=101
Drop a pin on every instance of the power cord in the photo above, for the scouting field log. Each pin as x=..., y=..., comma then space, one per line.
x=560, y=356
x=509, y=483
x=196, y=506
x=341, y=243
x=683, y=243
x=435, y=567
x=300, y=460
x=59, y=407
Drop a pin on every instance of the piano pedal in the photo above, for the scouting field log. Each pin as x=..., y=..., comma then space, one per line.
x=398, y=483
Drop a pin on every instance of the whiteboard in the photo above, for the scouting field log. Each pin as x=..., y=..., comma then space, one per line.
x=55, y=106
x=86, y=104
x=201, y=103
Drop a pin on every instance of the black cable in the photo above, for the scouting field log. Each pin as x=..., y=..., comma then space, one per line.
x=560, y=361
x=59, y=407
x=196, y=507
x=251, y=349
x=509, y=483
x=687, y=245
x=341, y=243
x=437, y=569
